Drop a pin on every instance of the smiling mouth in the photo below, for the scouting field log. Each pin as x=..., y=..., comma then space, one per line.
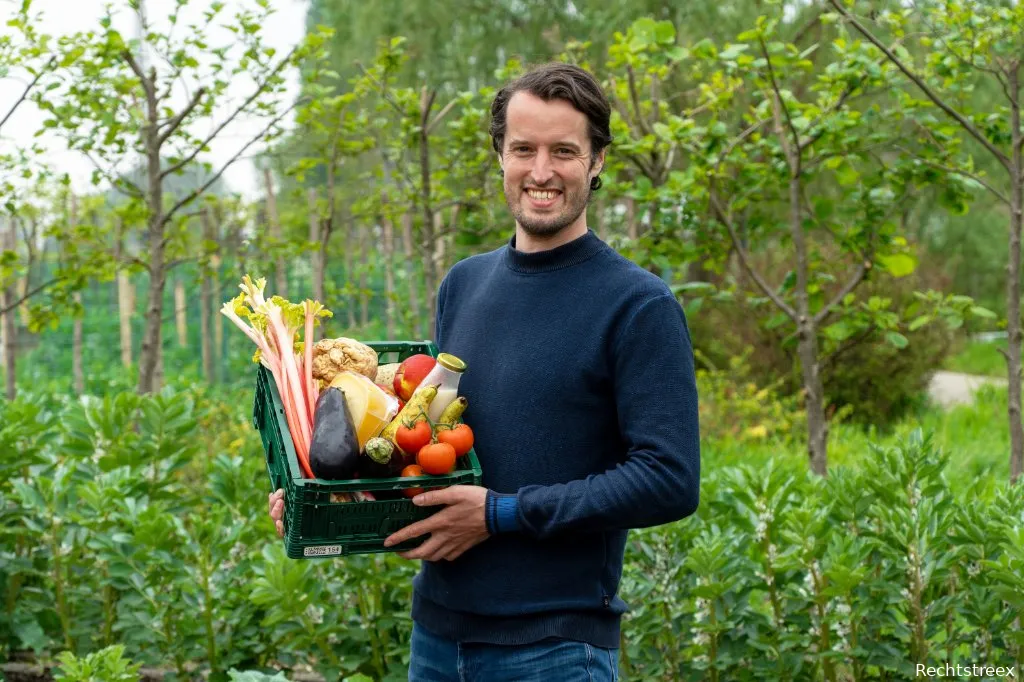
x=542, y=194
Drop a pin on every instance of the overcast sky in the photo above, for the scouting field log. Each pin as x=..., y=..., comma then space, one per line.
x=63, y=17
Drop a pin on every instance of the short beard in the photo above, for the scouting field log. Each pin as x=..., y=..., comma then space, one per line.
x=554, y=225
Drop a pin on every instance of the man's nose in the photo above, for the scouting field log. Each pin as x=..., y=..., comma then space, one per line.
x=542, y=170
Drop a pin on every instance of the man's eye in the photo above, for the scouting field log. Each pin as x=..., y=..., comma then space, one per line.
x=565, y=151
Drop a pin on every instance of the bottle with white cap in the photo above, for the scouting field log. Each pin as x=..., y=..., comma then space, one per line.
x=445, y=375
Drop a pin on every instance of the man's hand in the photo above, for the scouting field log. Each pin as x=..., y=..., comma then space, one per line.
x=276, y=508
x=453, y=530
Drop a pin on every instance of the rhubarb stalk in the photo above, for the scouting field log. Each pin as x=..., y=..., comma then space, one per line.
x=274, y=325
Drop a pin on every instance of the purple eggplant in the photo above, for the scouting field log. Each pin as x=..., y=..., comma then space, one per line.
x=334, y=450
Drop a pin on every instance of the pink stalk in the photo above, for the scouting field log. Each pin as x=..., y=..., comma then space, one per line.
x=285, y=342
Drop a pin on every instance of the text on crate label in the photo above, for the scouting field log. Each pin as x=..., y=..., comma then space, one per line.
x=322, y=550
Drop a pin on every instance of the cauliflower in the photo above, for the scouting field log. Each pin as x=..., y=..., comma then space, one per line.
x=331, y=356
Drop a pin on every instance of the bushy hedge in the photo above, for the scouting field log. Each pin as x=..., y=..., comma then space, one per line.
x=142, y=522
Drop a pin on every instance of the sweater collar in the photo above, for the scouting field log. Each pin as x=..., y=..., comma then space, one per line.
x=564, y=256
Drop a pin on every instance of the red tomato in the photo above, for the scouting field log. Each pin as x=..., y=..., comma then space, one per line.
x=412, y=470
x=460, y=438
x=412, y=439
x=436, y=458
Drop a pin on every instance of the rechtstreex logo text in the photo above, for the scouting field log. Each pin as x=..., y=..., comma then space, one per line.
x=962, y=671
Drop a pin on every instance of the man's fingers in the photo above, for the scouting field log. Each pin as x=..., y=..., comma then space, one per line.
x=280, y=528
x=273, y=497
x=433, y=498
x=414, y=530
x=425, y=551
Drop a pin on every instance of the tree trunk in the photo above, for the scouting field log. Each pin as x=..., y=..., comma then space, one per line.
x=9, y=342
x=216, y=286
x=151, y=362
x=152, y=337
x=77, y=374
x=439, y=247
x=24, y=284
x=274, y=221
x=429, y=269
x=448, y=240
x=316, y=236
x=807, y=344
x=410, y=269
x=351, y=244
x=1013, y=283
x=181, y=312
x=365, y=239
x=125, y=308
x=600, y=208
x=388, y=243
x=206, y=304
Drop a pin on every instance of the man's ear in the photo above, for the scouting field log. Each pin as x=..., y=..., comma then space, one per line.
x=599, y=162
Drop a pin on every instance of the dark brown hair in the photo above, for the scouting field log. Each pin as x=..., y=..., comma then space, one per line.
x=558, y=81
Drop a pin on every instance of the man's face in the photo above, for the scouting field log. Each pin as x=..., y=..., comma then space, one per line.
x=547, y=164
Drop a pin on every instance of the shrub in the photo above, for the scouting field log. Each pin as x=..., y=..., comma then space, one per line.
x=876, y=382
x=734, y=407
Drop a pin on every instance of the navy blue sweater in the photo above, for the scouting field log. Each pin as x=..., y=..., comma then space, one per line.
x=583, y=403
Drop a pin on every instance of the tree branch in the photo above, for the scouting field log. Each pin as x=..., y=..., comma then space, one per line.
x=28, y=89
x=636, y=101
x=205, y=186
x=173, y=124
x=641, y=164
x=125, y=187
x=137, y=70
x=949, y=169
x=830, y=359
x=938, y=101
x=224, y=124
x=792, y=156
x=440, y=115
x=382, y=90
x=851, y=284
x=744, y=260
x=28, y=294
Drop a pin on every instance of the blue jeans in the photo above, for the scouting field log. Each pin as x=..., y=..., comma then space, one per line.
x=436, y=659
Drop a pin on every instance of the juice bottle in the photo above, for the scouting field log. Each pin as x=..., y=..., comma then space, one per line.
x=445, y=376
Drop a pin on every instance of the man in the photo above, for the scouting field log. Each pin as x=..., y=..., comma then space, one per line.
x=582, y=398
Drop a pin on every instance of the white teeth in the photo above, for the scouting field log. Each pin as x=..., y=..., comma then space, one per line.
x=541, y=194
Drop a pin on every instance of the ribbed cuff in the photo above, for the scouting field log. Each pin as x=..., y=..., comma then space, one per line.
x=502, y=512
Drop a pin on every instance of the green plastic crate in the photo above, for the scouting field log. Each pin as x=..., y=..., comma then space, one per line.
x=313, y=525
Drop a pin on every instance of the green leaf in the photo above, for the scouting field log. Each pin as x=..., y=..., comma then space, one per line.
x=840, y=331
x=776, y=320
x=847, y=175
x=733, y=51
x=896, y=339
x=665, y=32
x=677, y=53
x=824, y=207
x=919, y=322
x=979, y=311
x=899, y=264
x=645, y=33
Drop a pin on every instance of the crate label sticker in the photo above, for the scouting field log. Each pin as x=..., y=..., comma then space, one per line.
x=322, y=550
